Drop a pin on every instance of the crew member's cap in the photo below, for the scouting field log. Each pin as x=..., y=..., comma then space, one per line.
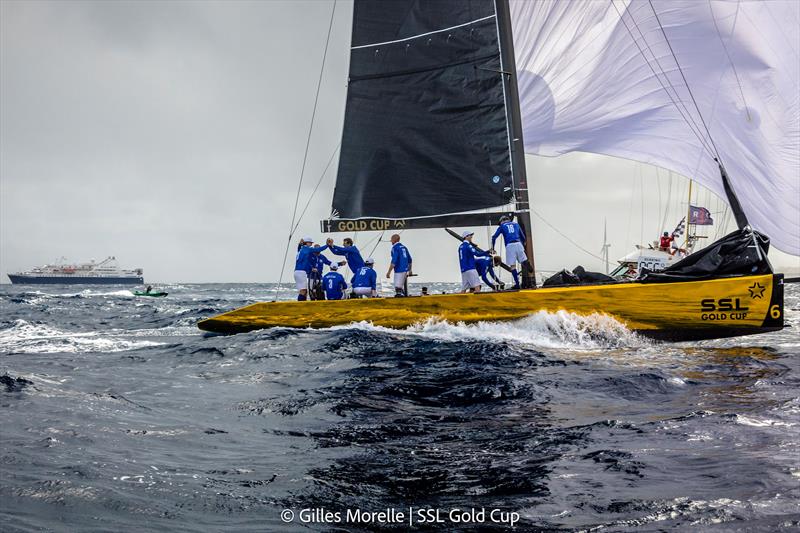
x=666, y=233
x=334, y=266
x=308, y=239
x=466, y=234
x=370, y=261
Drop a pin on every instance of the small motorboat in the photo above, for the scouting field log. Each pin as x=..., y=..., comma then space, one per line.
x=150, y=292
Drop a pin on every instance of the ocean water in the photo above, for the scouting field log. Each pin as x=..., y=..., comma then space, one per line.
x=118, y=414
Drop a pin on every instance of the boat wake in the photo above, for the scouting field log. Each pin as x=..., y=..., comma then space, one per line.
x=33, y=297
x=26, y=337
x=562, y=330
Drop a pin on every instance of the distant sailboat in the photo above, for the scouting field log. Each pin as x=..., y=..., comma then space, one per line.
x=440, y=114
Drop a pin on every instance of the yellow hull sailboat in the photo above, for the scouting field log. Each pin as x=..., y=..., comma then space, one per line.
x=682, y=311
x=435, y=136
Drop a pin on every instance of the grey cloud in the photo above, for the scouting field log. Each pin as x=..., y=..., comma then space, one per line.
x=171, y=135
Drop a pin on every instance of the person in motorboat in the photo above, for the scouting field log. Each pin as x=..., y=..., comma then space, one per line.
x=676, y=249
x=148, y=289
x=470, y=281
x=350, y=253
x=401, y=264
x=365, y=282
x=665, y=242
x=305, y=261
x=334, y=284
x=514, y=239
x=485, y=267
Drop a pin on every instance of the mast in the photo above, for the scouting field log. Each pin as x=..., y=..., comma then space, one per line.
x=733, y=200
x=688, y=217
x=508, y=66
x=606, y=246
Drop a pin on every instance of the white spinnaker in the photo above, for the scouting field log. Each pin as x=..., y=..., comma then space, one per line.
x=586, y=85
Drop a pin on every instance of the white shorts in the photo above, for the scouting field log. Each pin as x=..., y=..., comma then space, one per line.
x=365, y=291
x=301, y=280
x=470, y=280
x=515, y=253
x=400, y=279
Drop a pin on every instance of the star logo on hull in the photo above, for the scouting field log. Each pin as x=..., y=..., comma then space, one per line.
x=756, y=290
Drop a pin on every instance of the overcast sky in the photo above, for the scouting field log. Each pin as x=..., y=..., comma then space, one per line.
x=172, y=134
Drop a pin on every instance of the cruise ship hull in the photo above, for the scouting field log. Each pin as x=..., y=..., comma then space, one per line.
x=19, y=279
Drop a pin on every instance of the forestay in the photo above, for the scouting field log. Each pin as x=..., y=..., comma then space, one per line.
x=603, y=77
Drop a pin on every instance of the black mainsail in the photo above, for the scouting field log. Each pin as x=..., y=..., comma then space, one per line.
x=432, y=125
x=426, y=130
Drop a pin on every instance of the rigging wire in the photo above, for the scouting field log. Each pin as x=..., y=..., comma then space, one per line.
x=319, y=182
x=693, y=126
x=292, y=226
x=641, y=217
x=300, y=218
x=686, y=82
x=567, y=238
x=378, y=241
x=658, y=184
x=667, y=203
x=380, y=238
x=632, y=188
x=690, y=122
x=735, y=73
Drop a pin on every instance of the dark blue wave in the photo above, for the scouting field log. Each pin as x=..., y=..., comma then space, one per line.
x=119, y=415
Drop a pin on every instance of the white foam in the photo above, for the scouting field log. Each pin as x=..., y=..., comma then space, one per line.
x=24, y=337
x=542, y=329
x=38, y=297
x=125, y=293
x=755, y=422
x=185, y=328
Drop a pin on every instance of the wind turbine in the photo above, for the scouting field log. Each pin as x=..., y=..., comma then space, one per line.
x=606, y=246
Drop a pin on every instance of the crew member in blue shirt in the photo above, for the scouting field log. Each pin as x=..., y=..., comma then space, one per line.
x=315, y=276
x=350, y=253
x=365, y=282
x=334, y=284
x=485, y=267
x=470, y=282
x=514, y=238
x=401, y=264
x=304, y=263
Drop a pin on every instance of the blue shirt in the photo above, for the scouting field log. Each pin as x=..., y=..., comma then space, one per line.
x=401, y=258
x=321, y=261
x=511, y=231
x=483, y=265
x=334, y=285
x=351, y=255
x=305, y=259
x=467, y=254
x=365, y=277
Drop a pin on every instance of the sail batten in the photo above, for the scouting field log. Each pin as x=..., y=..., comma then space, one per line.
x=422, y=34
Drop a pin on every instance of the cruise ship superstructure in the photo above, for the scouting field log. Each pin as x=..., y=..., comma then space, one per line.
x=106, y=272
